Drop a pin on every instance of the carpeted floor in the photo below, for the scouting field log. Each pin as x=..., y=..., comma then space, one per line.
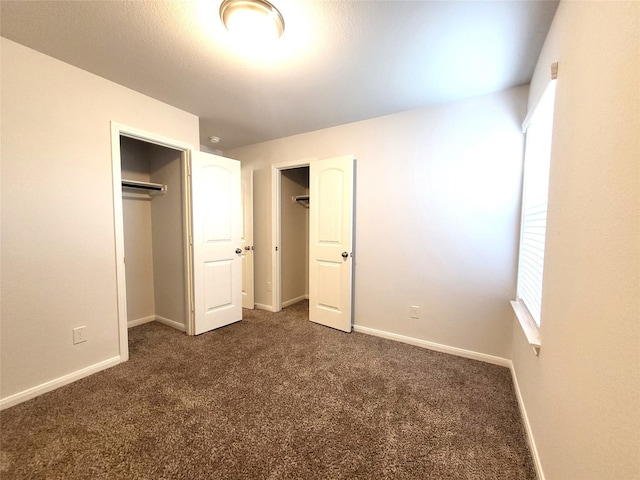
x=272, y=397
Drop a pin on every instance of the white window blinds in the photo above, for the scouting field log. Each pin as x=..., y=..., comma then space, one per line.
x=539, y=128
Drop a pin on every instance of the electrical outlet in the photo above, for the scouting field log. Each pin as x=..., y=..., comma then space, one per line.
x=268, y=286
x=415, y=311
x=79, y=335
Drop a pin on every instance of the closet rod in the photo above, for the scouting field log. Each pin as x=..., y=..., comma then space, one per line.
x=153, y=187
x=302, y=200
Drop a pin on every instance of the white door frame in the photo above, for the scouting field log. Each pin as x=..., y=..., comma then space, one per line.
x=276, y=179
x=248, y=300
x=118, y=130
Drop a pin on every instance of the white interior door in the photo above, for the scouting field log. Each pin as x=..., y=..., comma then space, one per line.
x=247, y=240
x=331, y=241
x=217, y=229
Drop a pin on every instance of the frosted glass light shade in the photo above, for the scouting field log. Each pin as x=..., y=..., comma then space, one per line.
x=252, y=20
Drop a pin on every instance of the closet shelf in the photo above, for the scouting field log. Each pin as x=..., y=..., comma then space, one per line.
x=302, y=200
x=156, y=188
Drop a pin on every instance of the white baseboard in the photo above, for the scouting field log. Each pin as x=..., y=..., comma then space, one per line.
x=157, y=318
x=171, y=323
x=140, y=321
x=460, y=352
x=527, y=426
x=295, y=300
x=33, y=392
x=262, y=306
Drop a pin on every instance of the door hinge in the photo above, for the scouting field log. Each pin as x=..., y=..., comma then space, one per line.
x=276, y=249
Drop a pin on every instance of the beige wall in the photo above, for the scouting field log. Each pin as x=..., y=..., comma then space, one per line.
x=294, y=235
x=58, y=241
x=437, y=206
x=582, y=395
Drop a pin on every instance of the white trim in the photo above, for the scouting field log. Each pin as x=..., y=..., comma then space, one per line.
x=140, y=321
x=246, y=178
x=295, y=300
x=262, y=306
x=150, y=137
x=531, y=113
x=275, y=238
x=171, y=323
x=190, y=327
x=460, y=352
x=529, y=327
x=116, y=169
x=527, y=426
x=157, y=318
x=33, y=392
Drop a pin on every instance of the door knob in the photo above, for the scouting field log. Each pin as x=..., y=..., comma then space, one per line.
x=345, y=255
x=238, y=251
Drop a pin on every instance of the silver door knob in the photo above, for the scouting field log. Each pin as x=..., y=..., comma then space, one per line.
x=345, y=255
x=238, y=251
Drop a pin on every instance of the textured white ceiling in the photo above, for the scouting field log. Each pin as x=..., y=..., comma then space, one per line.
x=337, y=62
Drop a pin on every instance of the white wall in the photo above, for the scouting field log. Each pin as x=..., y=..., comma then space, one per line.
x=438, y=194
x=582, y=395
x=58, y=247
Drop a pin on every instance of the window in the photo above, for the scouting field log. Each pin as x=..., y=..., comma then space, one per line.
x=539, y=128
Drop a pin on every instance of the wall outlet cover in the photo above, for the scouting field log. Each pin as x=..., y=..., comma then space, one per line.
x=79, y=335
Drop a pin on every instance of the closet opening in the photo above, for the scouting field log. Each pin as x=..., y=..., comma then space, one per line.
x=293, y=244
x=152, y=217
x=312, y=253
x=154, y=225
x=182, y=262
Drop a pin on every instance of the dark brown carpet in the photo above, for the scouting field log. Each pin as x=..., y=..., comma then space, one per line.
x=272, y=397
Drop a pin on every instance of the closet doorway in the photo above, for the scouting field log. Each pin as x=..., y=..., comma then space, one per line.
x=153, y=216
x=178, y=226
x=313, y=248
x=293, y=246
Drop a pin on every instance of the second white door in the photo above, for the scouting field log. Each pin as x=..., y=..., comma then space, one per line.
x=331, y=242
x=217, y=231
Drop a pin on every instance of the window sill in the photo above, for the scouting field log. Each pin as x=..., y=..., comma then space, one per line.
x=528, y=325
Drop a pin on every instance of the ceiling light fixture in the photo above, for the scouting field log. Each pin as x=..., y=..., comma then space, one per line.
x=254, y=20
